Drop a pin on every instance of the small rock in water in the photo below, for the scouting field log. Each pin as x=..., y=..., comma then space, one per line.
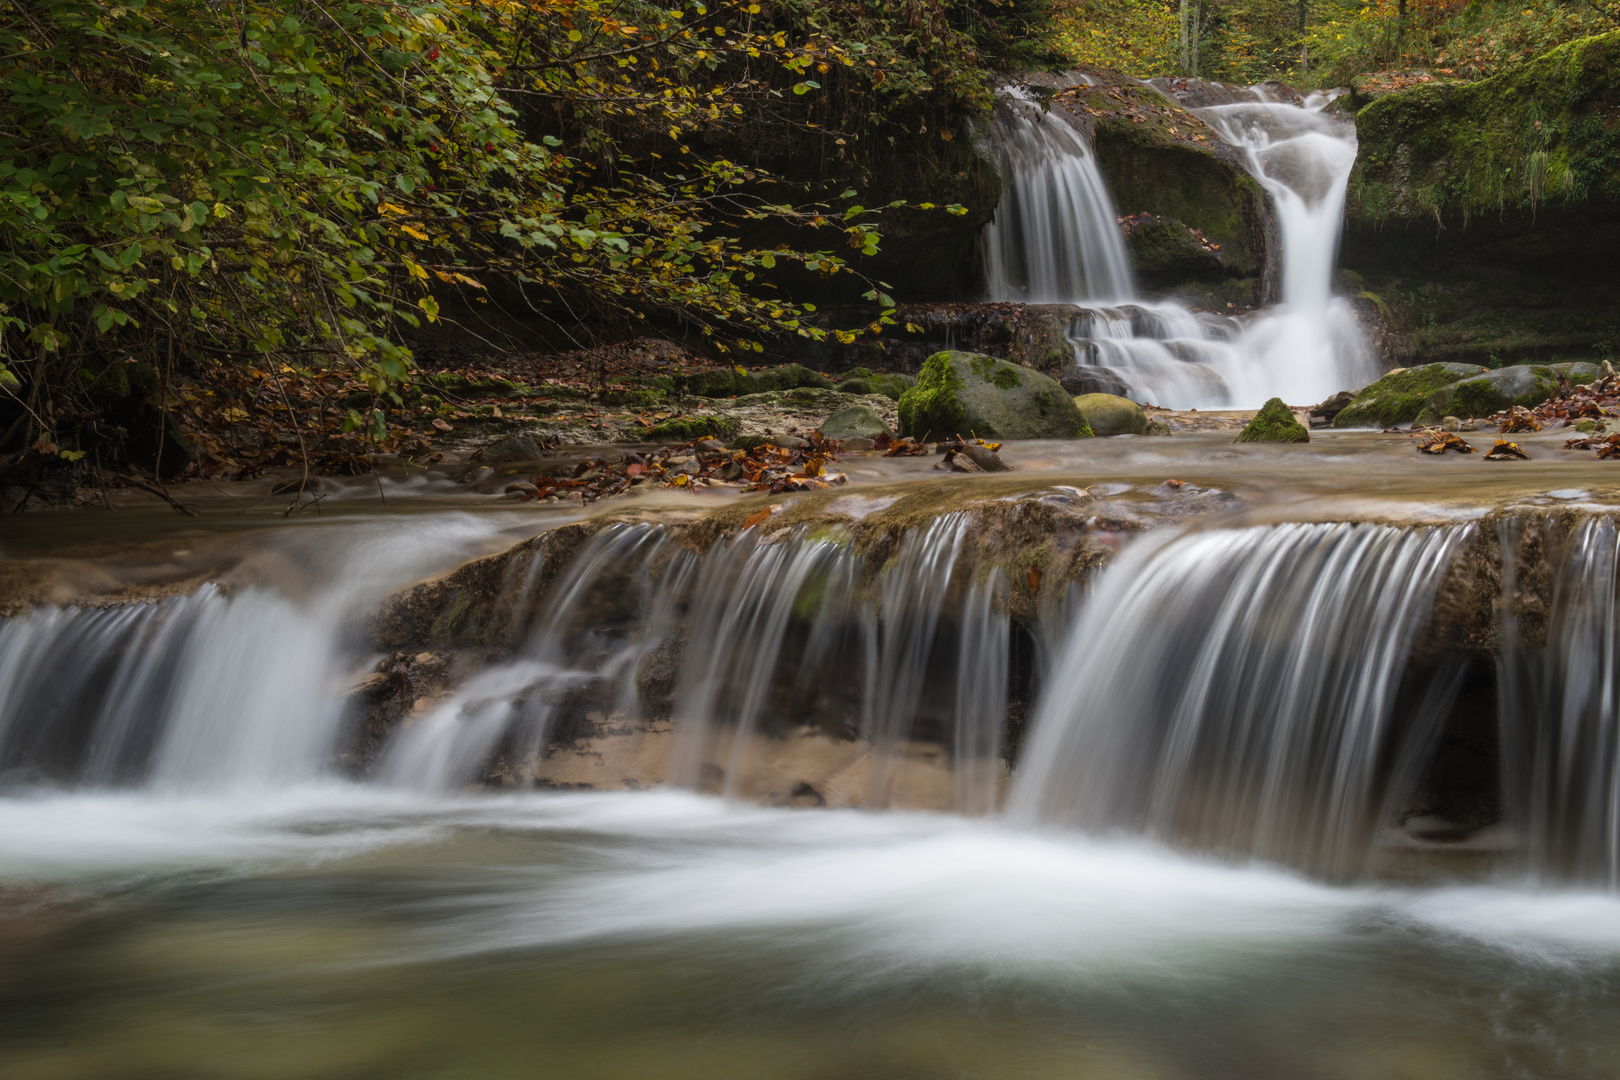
x=1468, y=425
x=1450, y=423
x=1110, y=414
x=522, y=487
x=512, y=448
x=1275, y=423
x=476, y=476
x=858, y=443
x=854, y=422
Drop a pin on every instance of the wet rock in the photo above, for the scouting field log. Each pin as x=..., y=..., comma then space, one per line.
x=1092, y=380
x=966, y=394
x=1450, y=423
x=854, y=422
x=858, y=443
x=1275, y=423
x=1324, y=414
x=1400, y=396
x=1110, y=414
x=522, y=487
x=985, y=458
x=476, y=476
x=511, y=448
x=1491, y=392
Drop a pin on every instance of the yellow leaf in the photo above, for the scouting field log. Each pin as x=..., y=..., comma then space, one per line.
x=413, y=230
x=415, y=270
x=430, y=308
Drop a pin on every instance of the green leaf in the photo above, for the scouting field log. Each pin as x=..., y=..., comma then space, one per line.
x=430, y=308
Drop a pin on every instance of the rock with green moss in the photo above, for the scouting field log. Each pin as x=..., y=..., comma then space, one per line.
x=854, y=422
x=1454, y=169
x=687, y=428
x=1399, y=397
x=865, y=381
x=1275, y=422
x=786, y=377
x=1493, y=391
x=959, y=393
x=1110, y=414
x=717, y=383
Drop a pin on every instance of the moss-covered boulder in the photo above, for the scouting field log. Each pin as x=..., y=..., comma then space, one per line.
x=959, y=393
x=732, y=382
x=687, y=428
x=1110, y=414
x=1525, y=163
x=1275, y=422
x=866, y=381
x=1400, y=396
x=854, y=422
x=1493, y=391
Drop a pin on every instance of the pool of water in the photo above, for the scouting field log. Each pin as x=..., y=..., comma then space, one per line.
x=340, y=931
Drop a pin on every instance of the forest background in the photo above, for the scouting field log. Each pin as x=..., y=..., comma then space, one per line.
x=251, y=207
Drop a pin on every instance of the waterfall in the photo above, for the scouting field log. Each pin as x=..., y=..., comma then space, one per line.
x=1234, y=689
x=1302, y=155
x=1560, y=722
x=215, y=689
x=1055, y=238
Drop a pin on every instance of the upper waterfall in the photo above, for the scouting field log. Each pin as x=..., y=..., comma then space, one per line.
x=1055, y=238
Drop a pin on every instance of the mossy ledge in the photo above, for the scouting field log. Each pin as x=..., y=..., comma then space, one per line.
x=1532, y=154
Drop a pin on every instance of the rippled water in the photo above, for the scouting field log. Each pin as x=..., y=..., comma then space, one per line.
x=343, y=932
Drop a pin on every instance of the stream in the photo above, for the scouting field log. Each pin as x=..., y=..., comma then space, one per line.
x=1150, y=759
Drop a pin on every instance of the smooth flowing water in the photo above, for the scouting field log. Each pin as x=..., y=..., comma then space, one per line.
x=1056, y=239
x=1224, y=718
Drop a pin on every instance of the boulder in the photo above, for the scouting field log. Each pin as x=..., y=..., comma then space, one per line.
x=1274, y=422
x=854, y=422
x=1493, y=391
x=1324, y=414
x=1092, y=380
x=1399, y=397
x=511, y=448
x=1110, y=414
x=959, y=393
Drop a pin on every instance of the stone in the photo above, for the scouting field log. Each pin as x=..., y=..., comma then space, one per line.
x=1110, y=414
x=1091, y=380
x=1450, y=423
x=970, y=395
x=1400, y=396
x=854, y=422
x=1489, y=392
x=522, y=487
x=511, y=448
x=1274, y=422
x=1324, y=414
x=858, y=443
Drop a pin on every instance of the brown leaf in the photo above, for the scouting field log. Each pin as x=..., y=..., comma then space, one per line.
x=1506, y=451
x=1035, y=579
x=441, y=424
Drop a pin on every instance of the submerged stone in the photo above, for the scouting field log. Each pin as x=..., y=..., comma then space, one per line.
x=1274, y=422
x=959, y=393
x=1110, y=414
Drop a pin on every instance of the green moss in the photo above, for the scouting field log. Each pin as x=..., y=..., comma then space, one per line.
x=866, y=381
x=1274, y=423
x=1397, y=398
x=932, y=408
x=1001, y=376
x=1476, y=397
x=786, y=377
x=693, y=427
x=1541, y=132
x=717, y=383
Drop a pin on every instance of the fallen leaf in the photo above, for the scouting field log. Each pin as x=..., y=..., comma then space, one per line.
x=1506, y=451
x=442, y=425
x=1034, y=579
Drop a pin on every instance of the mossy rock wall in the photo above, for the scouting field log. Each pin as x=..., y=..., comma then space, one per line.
x=1522, y=168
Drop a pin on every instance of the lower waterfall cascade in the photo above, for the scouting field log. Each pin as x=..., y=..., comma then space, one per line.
x=1250, y=691
x=1055, y=239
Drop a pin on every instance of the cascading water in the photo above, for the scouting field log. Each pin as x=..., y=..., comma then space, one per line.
x=1233, y=689
x=211, y=689
x=1055, y=238
x=1561, y=716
